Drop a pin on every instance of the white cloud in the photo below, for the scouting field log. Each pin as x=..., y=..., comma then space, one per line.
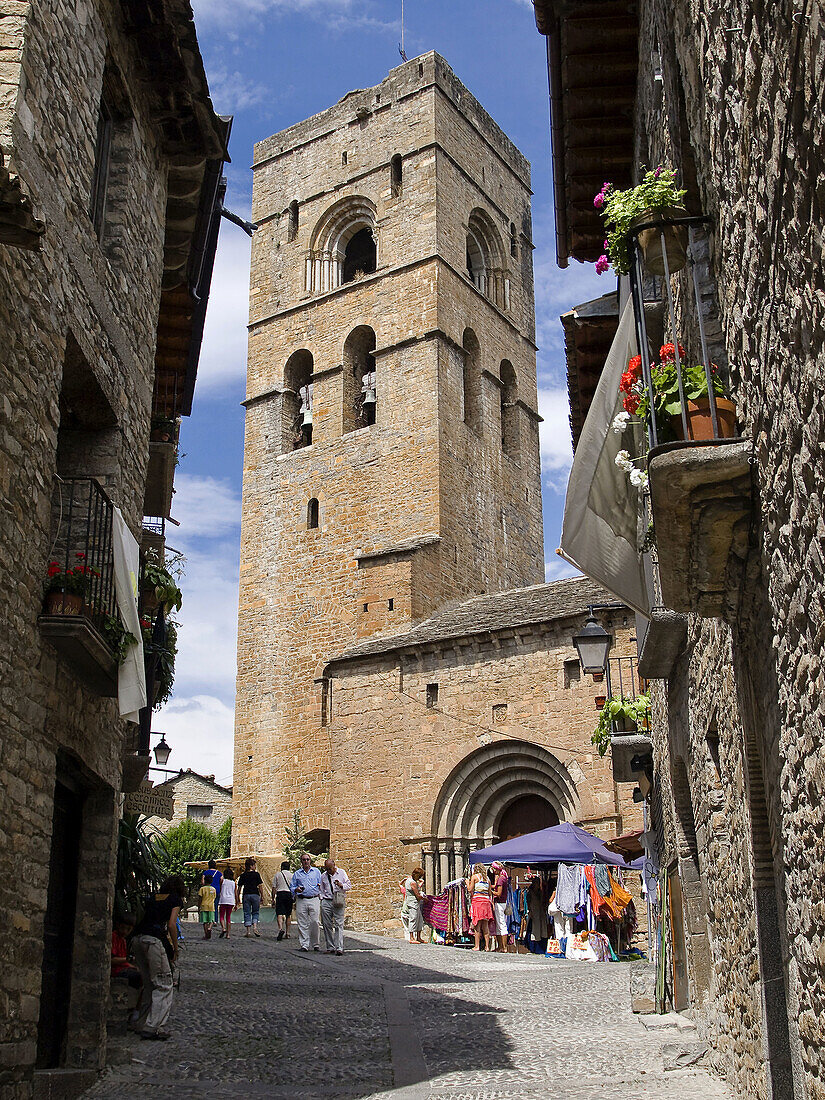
x=200, y=732
x=336, y=15
x=223, y=357
x=554, y=438
x=233, y=92
x=205, y=507
x=558, y=568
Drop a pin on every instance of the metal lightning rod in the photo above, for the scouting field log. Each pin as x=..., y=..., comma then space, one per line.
x=401, y=43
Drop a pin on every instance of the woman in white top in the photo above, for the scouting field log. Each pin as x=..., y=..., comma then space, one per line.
x=227, y=901
x=282, y=899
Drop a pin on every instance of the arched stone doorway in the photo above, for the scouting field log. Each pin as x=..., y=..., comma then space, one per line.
x=527, y=814
x=477, y=795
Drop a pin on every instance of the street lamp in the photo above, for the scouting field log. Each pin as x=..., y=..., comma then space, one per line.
x=593, y=645
x=162, y=751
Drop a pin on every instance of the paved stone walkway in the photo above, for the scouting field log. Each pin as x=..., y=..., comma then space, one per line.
x=256, y=1018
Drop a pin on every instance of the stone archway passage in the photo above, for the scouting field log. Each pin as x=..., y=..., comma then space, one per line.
x=479, y=791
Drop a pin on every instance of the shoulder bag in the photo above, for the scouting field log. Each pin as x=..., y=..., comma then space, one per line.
x=339, y=897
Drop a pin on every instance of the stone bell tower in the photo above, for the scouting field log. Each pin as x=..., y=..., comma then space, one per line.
x=391, y=453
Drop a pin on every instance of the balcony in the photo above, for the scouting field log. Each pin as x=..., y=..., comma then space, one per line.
x=663, y=637
x=80, y=604
x=698, y=465
x=626, y=743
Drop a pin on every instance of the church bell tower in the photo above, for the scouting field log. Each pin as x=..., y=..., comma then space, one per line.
x=391, y=458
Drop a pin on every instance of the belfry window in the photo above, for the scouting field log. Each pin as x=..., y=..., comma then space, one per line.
x=360, y=381
x=485, y=259
x=297, y=401
x=513, y=240
x=471, y=382
x=509, y=410
x=359, y=256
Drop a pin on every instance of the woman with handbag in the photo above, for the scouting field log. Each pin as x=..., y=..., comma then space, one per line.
x=335, y=885
x=282, y=899
x=155, y=947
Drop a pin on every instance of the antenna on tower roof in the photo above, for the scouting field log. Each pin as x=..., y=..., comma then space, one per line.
x=401, y=43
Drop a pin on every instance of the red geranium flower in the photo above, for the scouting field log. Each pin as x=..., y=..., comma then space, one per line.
x=635, y=364
x=631, y=402
x=80, y=555
x=627, y=382
x=667, y=351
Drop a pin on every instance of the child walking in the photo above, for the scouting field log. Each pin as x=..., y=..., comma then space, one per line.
x=206, y=906
x=228, y=901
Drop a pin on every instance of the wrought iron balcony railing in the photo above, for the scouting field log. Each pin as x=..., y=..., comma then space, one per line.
x=662, y=248
x=82, y=546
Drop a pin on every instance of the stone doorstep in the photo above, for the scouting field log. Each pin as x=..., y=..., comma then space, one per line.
x=62, y=1084
x=660, y=1021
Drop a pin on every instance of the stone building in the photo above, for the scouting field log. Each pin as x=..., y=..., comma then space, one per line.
x=731, y=96
x=196, y=798
x=404, y=678
x=109, y=199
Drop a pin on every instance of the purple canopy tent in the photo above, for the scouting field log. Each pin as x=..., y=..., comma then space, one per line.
x=563, y=843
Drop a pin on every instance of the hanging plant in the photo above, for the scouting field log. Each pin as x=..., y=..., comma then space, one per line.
x=656, y=194
x=635, y=711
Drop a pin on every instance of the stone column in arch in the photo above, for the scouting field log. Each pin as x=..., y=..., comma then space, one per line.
x=444, y=860
x=429, y=871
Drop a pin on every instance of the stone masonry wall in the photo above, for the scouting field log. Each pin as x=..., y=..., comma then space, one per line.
x=194, y=790
x=108, y=303
x=752, y=81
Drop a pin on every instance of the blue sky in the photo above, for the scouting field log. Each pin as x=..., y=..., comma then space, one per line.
x=272, y=63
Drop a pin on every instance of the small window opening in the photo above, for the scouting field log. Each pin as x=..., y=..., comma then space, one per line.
x=513, y=240
x=366, y=607
x=344, y=159
x=509, y=409
x=500, y=712
x=396, y=172
x=420, y=70
x=572, y=672
x=712, y=739
x=471, y=382
x=390, y=605
x=359, y=256
x=198, y=813
x=526, y=494
x=292, y=231
x=326, y=701
x=432, y=695
x=312, y=514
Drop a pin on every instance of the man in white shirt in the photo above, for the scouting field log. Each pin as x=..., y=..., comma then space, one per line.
x=335, y=885
x=306, y=886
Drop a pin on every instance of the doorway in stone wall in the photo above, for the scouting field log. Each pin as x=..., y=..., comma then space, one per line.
x=59, y=925
x=527, y=814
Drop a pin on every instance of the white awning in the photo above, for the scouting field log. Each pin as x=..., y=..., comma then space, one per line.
x=600, y=532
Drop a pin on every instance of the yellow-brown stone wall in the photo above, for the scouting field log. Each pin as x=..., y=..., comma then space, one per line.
x=391, y=754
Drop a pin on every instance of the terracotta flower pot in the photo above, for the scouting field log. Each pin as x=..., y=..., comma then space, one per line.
x=700, y=422
x=63, y=603
x=676, y=240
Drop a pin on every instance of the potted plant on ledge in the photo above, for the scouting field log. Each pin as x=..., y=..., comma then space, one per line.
x=627, y=715
x=656, y=197
x=67, y=590
x=667, y=400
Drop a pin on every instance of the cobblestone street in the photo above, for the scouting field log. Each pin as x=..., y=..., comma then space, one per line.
x=256, y=1018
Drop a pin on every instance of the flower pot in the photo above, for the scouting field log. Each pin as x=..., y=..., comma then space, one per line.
x=148, y=600
x=675, y=239
x=623, y=725
x=700, y=422
x=160, y=435
x=63, y=603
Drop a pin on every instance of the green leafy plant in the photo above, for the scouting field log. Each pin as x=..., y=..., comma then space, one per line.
x=189, y=842
x=158, y=579
x=614, y=710
x=621, y=208
x=141, y=865
x=666, y=385
x=297, y=842
x=165, y=652
x=224, y=837
x=119, y=639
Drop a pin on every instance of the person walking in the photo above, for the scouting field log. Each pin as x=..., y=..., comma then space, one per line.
x=411, y=909
x=481, y=908
x=250, y=884
x=501, y=894
x=306, y=889
x=335, y=885
x=155, y=947
x=207, y=904
x=282, y=899
x=228, y=902
x=213, y=877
